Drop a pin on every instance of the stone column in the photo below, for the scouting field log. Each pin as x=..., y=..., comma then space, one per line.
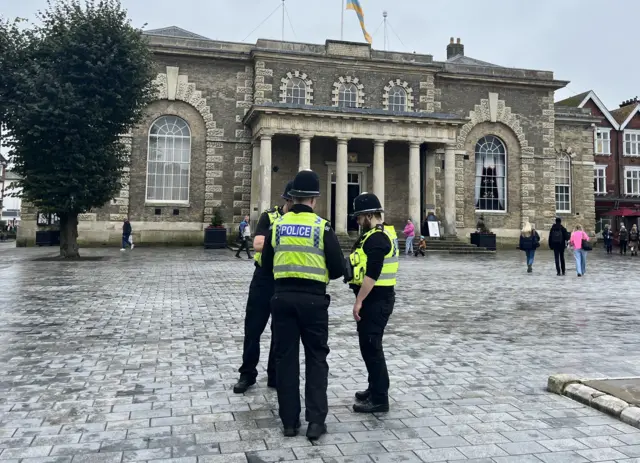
x=431, y=179
x=305, y=153
x=378, y=170
x=255, y=183
x=341, y=199
x=450, y=190
x=265, y=172
x=414, y=183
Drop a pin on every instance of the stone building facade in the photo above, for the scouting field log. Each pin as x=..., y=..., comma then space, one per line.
x=234, y=122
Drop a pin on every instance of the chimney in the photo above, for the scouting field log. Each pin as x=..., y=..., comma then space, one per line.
x=628, y=102
x=454, y=48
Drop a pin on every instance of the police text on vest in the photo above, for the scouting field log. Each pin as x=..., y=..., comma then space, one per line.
x=299, y=231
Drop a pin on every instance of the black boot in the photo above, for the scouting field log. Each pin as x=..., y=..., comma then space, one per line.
x=315, y=430
x=271, y=382
x=363, y=395
x=242, y=385
x=371, y=407
x=529, y=269
x=293, y=430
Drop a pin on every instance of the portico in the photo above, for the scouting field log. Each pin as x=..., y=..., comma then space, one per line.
x=395, y=140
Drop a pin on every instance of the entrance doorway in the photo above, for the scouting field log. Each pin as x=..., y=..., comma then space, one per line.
x=356, y=184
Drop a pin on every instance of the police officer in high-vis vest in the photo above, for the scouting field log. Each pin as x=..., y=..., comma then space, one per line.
x=374, y=265
x=258, y=304
x=304, y=254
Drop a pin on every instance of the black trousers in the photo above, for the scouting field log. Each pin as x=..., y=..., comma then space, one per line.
x=558, y=254
x=255, y=321
x=303, y=316
x=244, y=244
x=623, y=247
x=374, y=316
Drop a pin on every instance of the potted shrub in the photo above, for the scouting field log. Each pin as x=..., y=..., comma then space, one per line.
x=483, y=237
x=215, y=235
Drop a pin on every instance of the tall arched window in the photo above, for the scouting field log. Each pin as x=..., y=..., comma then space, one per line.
x=491, y=174
x=398, y=99
x=563, y=184
x=348, y=96
x=169, y=160
x=296, y=91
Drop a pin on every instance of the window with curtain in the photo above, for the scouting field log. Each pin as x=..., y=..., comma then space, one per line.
x=348, y=96
x=563, y=184
x=169, y=160
x=296, y=91
x=491, y=174
x=397, y=99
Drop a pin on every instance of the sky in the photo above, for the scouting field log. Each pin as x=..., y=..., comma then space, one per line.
x=579, y=40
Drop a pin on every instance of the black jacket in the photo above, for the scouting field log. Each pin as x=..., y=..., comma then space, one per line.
x=565, y=234
x=376, y=247
x=528, y=243
x=126, y=229
x=334, y=260
x=607, y=234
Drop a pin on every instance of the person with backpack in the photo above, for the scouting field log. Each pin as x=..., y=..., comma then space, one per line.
x=558, y=237
x=244, y=236
x=529, y=242
x=623, y=237
x=607, y=236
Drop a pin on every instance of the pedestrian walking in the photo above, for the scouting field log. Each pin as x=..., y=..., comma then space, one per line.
x=607, y=236
x=580, y=244
x=633, y=240
x=558, y=237
x=304, y=255
x=258, y=308
x=529, y=242
x=374, y=265
x=244, y=236
x=127, y=237
x=623, y=238
x=409, y=233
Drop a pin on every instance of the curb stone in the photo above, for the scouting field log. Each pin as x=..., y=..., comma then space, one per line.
x=572, y=387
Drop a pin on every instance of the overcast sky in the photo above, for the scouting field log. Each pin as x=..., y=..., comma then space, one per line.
x=579, y=40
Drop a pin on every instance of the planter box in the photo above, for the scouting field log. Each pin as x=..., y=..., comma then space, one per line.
x=215, y=238
x=484, y=240
x=48, y=238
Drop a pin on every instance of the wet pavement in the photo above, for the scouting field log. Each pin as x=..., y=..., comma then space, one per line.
x=627, y=389
x=132, y=358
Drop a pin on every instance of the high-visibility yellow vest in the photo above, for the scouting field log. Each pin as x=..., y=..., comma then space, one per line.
x=274, y=214
x=358, y=259
x=298, y=244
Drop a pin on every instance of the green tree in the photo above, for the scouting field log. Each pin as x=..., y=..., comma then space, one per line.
x=78, y=80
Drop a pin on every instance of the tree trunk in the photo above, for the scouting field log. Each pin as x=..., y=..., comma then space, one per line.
x=69, y=235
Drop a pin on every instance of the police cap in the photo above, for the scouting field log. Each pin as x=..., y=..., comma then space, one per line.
x=287, y=189
x=306, y=184
x=366, y=203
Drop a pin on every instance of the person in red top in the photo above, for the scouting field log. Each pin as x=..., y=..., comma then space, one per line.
x=579, y=252
x=409, y=232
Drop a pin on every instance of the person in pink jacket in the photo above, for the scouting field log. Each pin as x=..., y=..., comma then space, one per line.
x=578, y=251
x=409, y=233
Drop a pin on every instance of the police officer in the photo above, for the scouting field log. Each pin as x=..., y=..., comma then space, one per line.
x=304, y=255
x=259, y=304
x=374, y=260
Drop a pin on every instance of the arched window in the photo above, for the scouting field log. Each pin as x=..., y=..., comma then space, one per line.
x=296, y=91
x=397, y=99
x=491, y=174
x=563, y=184
x=348, y=96
x=169, y=160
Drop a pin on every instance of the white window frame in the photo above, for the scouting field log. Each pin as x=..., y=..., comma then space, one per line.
x=299, y=86
x=631, y=146
x=506, y=176
x=631, y=173
x=398, y=92
x=350, y=90
x=149, y=136
x=563, y=158
x=597, y=169
x=606, y=147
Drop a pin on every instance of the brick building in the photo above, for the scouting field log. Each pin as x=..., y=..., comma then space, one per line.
x=617, y=155
x=234, y=122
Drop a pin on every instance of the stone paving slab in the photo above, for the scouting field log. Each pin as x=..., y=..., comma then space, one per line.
x=627, y=389
x=133, y=359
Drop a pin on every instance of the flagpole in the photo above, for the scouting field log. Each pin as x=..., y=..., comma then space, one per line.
x=342, y=22
x=283, y=11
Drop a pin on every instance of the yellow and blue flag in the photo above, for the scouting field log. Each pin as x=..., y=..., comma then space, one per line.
x=355, y=6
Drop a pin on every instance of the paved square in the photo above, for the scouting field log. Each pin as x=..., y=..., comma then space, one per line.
x=132, y=359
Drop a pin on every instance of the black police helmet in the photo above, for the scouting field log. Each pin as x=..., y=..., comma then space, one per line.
x=306, y=184
x=366, y=203
x=287, y=189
